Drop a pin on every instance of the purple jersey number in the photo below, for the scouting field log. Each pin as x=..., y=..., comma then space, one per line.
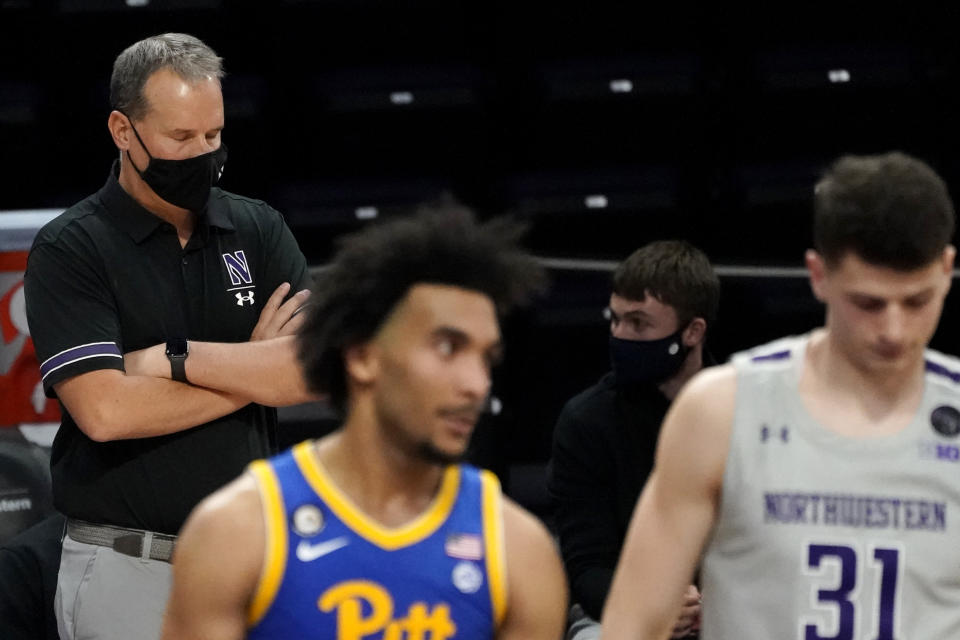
x=846, y=556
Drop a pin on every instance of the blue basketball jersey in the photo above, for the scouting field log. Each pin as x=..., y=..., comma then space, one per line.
x=331, y=572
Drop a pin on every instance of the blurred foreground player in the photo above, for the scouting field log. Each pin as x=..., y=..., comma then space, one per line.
x=818, y=474
x=377, y=531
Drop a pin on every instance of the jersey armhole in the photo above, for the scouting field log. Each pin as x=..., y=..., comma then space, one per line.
x=494, y=545
x=275, y=547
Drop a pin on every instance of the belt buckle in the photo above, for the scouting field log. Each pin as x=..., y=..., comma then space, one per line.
x=129, y=544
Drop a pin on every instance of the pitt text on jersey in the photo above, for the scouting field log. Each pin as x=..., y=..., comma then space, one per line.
x=364, y=607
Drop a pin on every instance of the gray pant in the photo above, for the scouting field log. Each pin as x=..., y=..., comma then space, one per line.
x=581, y=626
x=584, y=629
x=105, y=595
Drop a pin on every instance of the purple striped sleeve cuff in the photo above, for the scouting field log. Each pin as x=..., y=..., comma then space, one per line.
x=81, y=352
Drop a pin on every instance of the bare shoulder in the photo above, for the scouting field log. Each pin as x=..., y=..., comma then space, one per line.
x=528, y=541
x=217, y=564
x=713, y=384
x=706, y=404
x=229, y=521
x=536, y=586
x=234, y=504
x=522, y=527
x=695, y=437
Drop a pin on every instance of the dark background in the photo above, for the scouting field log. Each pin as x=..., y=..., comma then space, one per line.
x=605, y=125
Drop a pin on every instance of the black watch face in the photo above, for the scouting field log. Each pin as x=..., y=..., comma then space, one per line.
x=177, y=347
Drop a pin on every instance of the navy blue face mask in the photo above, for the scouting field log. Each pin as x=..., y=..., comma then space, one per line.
x=639, y=362
x=185, y=183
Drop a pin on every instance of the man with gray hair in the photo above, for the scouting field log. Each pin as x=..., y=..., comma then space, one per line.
x=157, y=255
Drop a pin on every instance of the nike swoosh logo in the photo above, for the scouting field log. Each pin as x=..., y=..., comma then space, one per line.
x=307, y=552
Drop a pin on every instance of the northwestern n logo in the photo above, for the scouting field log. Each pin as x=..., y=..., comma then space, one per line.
x=237, y=268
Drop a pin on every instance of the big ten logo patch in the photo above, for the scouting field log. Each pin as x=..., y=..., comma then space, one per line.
x=940, y=451
x=363, y=607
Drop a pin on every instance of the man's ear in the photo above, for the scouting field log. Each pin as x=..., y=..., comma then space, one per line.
x=362, y=363
x=949, y=258
x=120, y=130
x=817, y=268
x=695, y=333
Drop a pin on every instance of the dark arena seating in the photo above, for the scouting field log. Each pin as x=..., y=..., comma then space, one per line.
x=24, y=484
x=603, y=125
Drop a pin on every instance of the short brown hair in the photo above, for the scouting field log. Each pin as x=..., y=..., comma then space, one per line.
x=891, y=210
x=674, y=272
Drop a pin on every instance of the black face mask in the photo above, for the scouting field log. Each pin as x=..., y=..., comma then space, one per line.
x=639, y=362
x=184, y=183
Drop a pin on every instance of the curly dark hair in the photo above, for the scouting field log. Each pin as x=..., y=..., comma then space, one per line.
x=374, y=269
x=891, y=210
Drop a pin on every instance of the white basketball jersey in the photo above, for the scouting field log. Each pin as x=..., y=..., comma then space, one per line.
x=825, y=536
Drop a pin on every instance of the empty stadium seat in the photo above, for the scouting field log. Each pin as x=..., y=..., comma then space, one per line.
x=25, y=497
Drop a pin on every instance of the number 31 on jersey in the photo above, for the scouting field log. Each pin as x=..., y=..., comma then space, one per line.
x=852, y=584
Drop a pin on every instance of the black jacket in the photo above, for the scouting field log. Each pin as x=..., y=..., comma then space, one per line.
x=603, y=448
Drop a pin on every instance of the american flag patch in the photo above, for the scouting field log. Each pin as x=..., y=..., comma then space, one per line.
x=467, y=546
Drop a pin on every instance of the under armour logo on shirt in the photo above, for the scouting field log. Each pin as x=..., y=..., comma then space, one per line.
x=244, y=298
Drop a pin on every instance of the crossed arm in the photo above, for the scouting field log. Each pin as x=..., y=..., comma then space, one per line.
x=143, y=402
x=264, y=370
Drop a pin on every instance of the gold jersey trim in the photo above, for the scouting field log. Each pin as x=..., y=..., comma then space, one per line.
x=493, y=541
x=385, y=537
x=275, y=549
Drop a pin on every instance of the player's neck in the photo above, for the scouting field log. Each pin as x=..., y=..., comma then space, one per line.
x=839, y=391
x=842, y=370
x=391, y=487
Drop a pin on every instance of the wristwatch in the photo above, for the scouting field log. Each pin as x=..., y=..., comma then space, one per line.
x=177, y=351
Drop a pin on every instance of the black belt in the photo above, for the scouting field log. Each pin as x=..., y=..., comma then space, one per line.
x=130, y=542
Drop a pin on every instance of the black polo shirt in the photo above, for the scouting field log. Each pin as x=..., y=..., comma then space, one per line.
x=107, y=277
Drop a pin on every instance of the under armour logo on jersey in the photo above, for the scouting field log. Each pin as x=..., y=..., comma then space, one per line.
x=244, y=298
x=765, y=434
